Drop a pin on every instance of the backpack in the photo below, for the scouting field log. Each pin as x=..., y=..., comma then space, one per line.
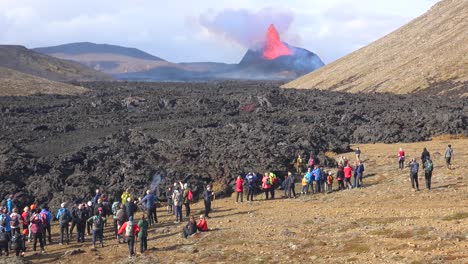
x=414, y=168
x=44, y=218
x=64, y=218
x=190, y=195
x=3, y=220
x=14, y=221
x=3, y=236
x=177, y=197
x=97, y=223
x=429, y=165
x=129, y=230
x=120, y=216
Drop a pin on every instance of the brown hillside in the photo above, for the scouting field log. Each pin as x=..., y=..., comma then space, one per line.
x=14, y=83
x=27, y=61
x=427, y=55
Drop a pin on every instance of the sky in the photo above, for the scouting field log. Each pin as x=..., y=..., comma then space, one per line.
x=205, y=30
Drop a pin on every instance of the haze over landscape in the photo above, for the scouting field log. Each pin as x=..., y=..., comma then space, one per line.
x=345, y=122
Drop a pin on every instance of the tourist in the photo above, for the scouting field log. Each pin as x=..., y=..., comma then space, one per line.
x=190, y=228
x=329, y=182
x=115, y=208
x=64, y=216
x=347, y=175
x=149, y=201
x=5, y=218
x=414, y=169
x=36, y=231
x=10, y=204
x=251, y=179
x=266, y=184
x=89, y=213
x=80, y=220
x=5, y=237
x=208, y=197
x=239, y=189
x=357, y=152
x=449, y=156
x=273, y=180
x=131, y=230
x=170, y=202
x=143, y=234
x=97, y=222
x=121, y=219
x=290, y=185
x=97, y=197
x=202, y=225
x=130, y=207
x=428, y=167
x=359, y=174
x=340, y=178
x=125, y=195
x=187, y=198
x=425, y=155
x=305, y=185
x=401, y=159
x=18, y=244
x=309, y=177
x=15, y=222
x=46, y=217
x=25, y=219
x=177, y=198
x=317, y=174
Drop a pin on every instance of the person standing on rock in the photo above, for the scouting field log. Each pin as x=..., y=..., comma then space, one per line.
x=239, y=189
x=401, y=159
x=428, y=167
x=208, y=197
x=425, y=155
x=348, y=170
x=266, y=185
x=449, y=156
x=149, y=201
x=414, y=169
x=357, y=152
x=178, y=199
x=64, y=216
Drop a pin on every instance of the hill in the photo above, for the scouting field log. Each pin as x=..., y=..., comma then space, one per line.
x=30, y=62
x=428, y=55
x=14, y=83
x=110, y=59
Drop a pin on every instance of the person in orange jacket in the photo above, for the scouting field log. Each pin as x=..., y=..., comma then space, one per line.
x=131, y=230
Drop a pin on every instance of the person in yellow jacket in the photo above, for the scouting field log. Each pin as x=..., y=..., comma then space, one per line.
x=125, y=196
x=305, y=185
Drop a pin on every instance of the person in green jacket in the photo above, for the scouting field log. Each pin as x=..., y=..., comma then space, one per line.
x=143, y=234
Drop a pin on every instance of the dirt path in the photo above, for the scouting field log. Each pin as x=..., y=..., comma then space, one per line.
x=385, y=222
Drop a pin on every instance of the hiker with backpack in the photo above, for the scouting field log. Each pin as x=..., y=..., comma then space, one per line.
x=97, y=222
x=64, y=216
x=251, y=179
x=414, y=169
x=15, y=222
x=80, y=219
x=143, y=234
x=190, y=228
x=6, y=220
x=449, y=156
x=401, y=159
x=25, y=222
x=187, y=197
x=273, y=180
x=46, y=217
x=115, y=207
x=208, y=197
x=178, y=199
x=239, y=189
x=425, y=155
x=36, y=231
x=428, y=168
x=131, y=230
x=266, y=185
x=121, y=219
x=5, y=237
x=149, y=201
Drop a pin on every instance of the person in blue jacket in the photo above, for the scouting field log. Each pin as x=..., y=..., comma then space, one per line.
x=46, y=215
x=309, y=178
x=5, y=217
x=64, y=216
x=149, y=202
x=359, y=174
x=9, y=204
x=317, y=173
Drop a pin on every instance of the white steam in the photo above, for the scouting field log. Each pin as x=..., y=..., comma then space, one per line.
x=246, y=27
x=154, y=186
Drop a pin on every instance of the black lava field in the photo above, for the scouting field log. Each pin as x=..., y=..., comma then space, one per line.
x=60, y=148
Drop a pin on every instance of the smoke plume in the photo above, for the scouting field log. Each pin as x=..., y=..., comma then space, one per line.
x=246, y=27
x=155, y=184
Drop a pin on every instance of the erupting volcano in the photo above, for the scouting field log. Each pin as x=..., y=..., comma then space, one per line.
x=273, y=46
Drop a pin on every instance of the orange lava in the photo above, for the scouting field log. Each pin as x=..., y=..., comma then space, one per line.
x=273, y=46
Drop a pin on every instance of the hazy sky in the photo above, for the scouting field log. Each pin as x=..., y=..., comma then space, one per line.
x=205, y=30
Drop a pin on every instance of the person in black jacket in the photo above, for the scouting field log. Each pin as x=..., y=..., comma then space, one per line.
x=190, y=228
x=208, y=196
x=130, y=207
x=425, y=155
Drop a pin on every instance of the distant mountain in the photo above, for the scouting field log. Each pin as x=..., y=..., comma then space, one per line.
x=30, y=62
x=15, y=83
x=110, y=59
x=275, y=60
x=429, y=55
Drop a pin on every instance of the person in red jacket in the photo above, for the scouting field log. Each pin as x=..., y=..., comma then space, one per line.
x=401, y=159
x=266, y=184
x=240, y=189
x=202, y=225
x=347, y=174
x=131, y=230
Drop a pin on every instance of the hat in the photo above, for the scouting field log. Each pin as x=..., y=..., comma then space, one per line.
x=33, y=206
x=90, y=203
x=63, y=205
x=130, y=218
x=129, y=199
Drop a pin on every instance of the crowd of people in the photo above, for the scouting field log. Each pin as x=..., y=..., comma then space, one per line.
x=33, y=224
